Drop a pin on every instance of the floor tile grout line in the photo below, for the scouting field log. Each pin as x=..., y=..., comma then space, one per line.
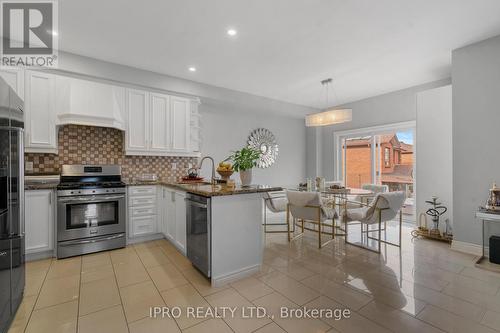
x=156, y=287
x=119, y=292
x=79, y=293
x=38, y=295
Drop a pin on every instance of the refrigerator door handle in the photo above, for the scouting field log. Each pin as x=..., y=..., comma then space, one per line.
x=20, y=134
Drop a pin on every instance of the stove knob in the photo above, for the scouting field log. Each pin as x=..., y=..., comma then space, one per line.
x=71, y=192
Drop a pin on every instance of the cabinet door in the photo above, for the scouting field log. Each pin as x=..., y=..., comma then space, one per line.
x=15, y=79
x=162, y=210
x=159, y=114
x=170, y=215
x=180, y=220
x=137, y=138
x=39, y=217
x=180, y=124
x=40, y=112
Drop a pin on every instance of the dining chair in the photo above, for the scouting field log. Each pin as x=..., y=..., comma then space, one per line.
x=276, y=202
x=308, y=207
x=383, y=208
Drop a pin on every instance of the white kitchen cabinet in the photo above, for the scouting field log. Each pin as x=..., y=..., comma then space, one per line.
x=40, y=117
x=158, y=124
x=137, y=134
x=142, y=211
x=160, y=130
x=180, y=220
x=174, y=217
x=180, y=124
x=15, y=79
x=40, y=220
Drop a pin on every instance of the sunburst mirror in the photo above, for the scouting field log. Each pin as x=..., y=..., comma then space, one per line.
x=264, y=141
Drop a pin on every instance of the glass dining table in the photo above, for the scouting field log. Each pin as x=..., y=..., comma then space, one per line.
x=338, y=199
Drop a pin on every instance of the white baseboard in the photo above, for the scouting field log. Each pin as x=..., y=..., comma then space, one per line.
x=40, y=255
x=233, y=276
x=142, y=239
x=469, y=248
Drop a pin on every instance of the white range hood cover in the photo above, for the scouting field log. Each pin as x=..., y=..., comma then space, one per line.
x=90, y=103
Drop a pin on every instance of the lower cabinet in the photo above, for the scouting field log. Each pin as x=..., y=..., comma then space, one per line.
x=40, y=220
x=157, y=209
x=142, y=211
x=173, y=217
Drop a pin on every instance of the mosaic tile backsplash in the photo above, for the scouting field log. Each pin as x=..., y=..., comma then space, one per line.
x=99, y=145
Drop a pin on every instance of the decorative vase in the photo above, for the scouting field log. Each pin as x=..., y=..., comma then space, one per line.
x=246, y=177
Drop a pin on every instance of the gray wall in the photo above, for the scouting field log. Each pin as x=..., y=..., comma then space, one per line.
x=389, y=108
x=227, y=116
x=434, y=145
x=476, y=128
x=225, y=130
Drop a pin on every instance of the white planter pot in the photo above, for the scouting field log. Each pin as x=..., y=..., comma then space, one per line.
x=246, y=177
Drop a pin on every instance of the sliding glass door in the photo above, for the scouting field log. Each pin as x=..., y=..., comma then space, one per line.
x=380, y=157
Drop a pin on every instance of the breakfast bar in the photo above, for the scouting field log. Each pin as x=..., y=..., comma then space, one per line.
x=224, y=229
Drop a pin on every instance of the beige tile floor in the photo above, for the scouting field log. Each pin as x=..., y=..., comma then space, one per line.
x=425, y=287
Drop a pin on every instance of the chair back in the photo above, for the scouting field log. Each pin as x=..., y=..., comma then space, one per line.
x=298, y=202
x=275, y=201
x=390, y=204
x=375, y=188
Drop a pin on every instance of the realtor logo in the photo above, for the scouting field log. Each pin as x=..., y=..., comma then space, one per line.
x=29, y=33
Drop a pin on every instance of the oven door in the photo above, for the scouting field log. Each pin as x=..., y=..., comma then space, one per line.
x=89, y=216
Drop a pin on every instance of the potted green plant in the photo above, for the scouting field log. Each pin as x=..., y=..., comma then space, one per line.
x=243, y=162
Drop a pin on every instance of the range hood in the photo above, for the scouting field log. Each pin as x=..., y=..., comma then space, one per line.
x=91, y=103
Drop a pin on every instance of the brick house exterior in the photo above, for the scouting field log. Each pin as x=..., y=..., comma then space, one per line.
x=396, y=161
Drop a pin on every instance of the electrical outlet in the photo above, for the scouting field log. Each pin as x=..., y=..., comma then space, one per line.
x=174, y=166
x=28, y=166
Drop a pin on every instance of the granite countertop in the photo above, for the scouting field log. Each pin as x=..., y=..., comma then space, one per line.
x=208, y=190
x=41, y=181
x=29, y=187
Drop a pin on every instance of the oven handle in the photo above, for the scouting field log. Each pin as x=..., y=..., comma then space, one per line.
x=94, y=240
x=91, y=199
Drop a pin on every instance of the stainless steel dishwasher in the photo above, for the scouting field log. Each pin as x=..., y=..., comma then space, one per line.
x=198, y=236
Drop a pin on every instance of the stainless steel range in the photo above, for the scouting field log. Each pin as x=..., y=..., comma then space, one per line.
x=90, y=209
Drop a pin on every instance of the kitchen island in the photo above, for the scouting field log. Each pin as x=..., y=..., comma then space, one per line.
x=234, y=236
x=220, y=229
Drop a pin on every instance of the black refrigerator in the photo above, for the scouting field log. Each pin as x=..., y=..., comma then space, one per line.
x=12, y=240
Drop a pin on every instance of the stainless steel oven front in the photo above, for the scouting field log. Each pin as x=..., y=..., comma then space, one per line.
x=90, y=215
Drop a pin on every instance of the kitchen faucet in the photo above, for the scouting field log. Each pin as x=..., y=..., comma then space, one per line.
x=213, y=181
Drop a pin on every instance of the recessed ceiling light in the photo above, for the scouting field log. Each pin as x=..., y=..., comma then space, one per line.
x=232, y=32
x=192, y=69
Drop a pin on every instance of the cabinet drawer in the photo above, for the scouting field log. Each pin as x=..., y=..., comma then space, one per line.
x=143, y=225
x=142, y=201
x=141, y=190
x=142, y=211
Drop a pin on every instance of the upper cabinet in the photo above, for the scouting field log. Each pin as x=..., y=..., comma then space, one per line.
x=154, y=123
x=158, y=124
x=160, y=120
x=39, y=110
x=180, y=120
x=137, y=134
x=15, y=79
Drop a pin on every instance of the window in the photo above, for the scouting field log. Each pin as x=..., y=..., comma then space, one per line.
x=387, y=157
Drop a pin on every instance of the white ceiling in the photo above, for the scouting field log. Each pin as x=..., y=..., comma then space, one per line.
x=283, y=47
